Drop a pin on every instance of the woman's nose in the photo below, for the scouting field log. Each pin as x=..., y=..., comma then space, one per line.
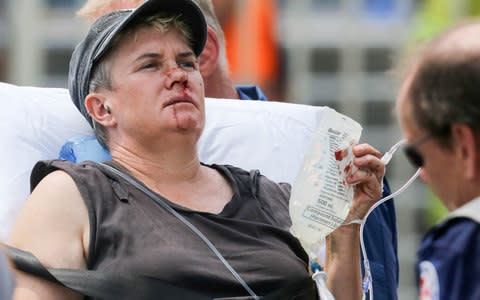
x=176, y=74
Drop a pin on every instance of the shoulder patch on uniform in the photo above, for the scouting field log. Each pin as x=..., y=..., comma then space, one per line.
x=429, y=286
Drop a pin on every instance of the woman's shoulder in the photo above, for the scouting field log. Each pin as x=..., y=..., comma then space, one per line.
x=53, y=225
x=255, y=179
x=56, y=164
x=76, y=170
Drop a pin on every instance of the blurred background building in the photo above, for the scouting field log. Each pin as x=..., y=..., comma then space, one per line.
x=338, y=53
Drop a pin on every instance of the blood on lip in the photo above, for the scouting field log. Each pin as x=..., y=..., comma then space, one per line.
x=176, y=117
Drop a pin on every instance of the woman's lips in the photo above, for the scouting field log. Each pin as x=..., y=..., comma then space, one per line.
x=180, y=99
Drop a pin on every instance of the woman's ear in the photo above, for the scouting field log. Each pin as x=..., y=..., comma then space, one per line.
x=99, y=109
x=467, y=147
x=209, y=57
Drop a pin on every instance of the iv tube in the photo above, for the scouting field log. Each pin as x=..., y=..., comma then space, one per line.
x=367, y=279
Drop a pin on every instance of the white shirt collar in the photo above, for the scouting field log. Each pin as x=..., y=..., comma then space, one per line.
x=470, y=210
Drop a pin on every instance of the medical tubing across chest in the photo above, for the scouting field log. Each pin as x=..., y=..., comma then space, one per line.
x=188, y=224
x=367, y=278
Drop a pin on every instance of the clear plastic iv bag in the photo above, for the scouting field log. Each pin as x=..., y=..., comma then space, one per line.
x=321, y=198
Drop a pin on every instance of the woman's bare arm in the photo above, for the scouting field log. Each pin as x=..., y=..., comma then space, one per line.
x=342, y=262
x=53, y=225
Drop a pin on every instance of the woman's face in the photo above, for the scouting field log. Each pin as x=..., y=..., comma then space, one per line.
x=157, y=88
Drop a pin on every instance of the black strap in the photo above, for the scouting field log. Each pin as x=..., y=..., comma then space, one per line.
x=98, y=284
x=107, y=286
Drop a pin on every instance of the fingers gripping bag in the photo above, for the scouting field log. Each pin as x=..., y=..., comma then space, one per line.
x=321, y=197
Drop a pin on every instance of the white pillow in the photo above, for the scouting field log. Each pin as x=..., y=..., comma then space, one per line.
x=36, y=122
x=270, y=136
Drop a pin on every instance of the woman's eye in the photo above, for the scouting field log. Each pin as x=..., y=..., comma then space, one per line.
x=188, y=65
x=149, y=66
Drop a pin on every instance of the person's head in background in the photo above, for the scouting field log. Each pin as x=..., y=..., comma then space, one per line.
x=439, y=111
x=213, y=60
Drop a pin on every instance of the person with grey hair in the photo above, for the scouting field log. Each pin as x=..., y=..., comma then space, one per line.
x=154, y=210
x=439, y=110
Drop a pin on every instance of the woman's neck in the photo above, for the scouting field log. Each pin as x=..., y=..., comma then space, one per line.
x=167, y=164
x=179, y=178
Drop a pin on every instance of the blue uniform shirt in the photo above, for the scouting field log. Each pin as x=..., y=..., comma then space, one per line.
x=250, y=92
x=380, y=237
x=448, y=266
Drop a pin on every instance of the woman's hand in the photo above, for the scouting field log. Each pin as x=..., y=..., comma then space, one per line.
x=343, y=257
x=367, y=179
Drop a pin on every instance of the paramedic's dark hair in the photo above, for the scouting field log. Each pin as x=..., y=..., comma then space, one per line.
x=445, y=87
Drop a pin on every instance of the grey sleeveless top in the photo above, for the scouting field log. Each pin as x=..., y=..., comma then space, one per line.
x=130, y=233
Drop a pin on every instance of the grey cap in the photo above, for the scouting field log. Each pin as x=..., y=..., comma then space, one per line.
x=103, y=31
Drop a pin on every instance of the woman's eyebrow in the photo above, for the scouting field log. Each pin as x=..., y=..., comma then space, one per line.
x=149, y=55
x=186, y=54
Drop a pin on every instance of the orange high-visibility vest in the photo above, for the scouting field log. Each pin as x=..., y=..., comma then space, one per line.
x=251, y=42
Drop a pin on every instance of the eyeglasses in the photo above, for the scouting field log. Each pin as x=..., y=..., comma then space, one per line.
x=415, y=158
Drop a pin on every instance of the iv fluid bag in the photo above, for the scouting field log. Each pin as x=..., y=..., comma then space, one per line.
x=320, y=197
